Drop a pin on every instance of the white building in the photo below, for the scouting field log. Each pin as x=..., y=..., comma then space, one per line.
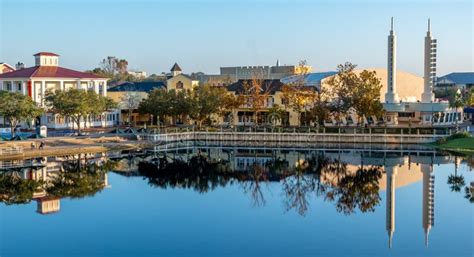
x=48, y=75
x=428, y=111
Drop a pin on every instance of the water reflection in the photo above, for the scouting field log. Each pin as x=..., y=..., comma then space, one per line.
x=46, y=182
x=352, y=181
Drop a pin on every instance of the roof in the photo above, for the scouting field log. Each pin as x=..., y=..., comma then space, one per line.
x=457, y=78
x=48, y=72
x=268, y=85
x=138, y=86
x=310, y=79
x=176, y=67
x=46, y=53
x=8, y=65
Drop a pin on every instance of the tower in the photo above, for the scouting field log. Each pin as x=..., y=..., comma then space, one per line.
x=391, y=96
x=428, y=199
x=391, y=172
x=278, y=63
x=175, y=70
x=430, y=67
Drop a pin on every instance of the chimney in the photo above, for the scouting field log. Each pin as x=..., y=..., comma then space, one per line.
x=19, y=66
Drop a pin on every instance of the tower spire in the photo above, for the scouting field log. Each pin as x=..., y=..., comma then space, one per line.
x=391, y=25
x=429, y=25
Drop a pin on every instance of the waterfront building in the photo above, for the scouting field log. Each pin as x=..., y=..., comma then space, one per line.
x=428, y=111
x=179, y=81
x=48, y=75
x=457, y=80
x=5, y=67
x=126, y=92
x=273, y=90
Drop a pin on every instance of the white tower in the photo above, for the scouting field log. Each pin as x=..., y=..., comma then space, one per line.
x=391, y=96
x=430, y=67
x=391, y=172
x=428, y=199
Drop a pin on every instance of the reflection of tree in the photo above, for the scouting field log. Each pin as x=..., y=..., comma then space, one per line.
x=456, y=182
x=469, y=192
x=77, y=180
x=15, y=190
x=199, y=174
x=253, y=185
x=359, y=190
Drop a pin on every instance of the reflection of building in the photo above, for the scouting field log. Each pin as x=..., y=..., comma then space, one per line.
x=428, y=199
x=47, y=205
x=390, y=212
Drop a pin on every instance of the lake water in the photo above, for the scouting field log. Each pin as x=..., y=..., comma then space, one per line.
x=240, y=202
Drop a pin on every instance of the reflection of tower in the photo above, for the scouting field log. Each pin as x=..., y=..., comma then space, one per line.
x=47, y=205
x=391, y=173
x=430, y=67
x=428, y=199
x=391, y=96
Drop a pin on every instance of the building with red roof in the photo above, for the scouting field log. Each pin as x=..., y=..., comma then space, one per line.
x=47, y=75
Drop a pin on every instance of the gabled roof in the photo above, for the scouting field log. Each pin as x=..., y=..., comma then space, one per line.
x=138, y=86
x=46, y=53
x=268, y=85
x=457, y=78
x=48, y=72
x=176, y=67
x=8, y=65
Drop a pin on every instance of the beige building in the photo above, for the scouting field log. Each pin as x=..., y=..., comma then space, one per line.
x=244, y=115
x=179, y=81
x=5, y=67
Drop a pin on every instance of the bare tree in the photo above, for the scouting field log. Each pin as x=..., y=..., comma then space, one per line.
x=130, y=101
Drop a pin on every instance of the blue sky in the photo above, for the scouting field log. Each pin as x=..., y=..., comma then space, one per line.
x=203, y=35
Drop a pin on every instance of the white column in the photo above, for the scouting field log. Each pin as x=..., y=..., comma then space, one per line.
x=12, y=83
x=43, y=90
x=23, y=88
x=61, y=85
x=96, y=86
x=79, y=84
x=33, y=91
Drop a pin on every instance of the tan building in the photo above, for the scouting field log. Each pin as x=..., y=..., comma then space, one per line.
x=5, y=67
x=129, y=94
x=179, y=81
x=244, y=115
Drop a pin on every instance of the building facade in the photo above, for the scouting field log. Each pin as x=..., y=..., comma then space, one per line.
x=47, y=75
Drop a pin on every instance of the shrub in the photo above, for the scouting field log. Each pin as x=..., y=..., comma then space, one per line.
x=459, y=135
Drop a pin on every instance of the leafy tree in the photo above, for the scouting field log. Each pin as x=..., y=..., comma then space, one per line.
x=158, y=103
x=208, y=100
x=320, y=110
x=16, y=107
x=366, y=95
x=77, y=104
x=348, y=90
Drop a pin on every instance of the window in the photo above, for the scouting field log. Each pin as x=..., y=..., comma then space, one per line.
x=9, y=86
x=18, y=87
x=179, y=85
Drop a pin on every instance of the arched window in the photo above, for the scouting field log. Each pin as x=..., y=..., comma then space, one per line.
x=179, y=85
